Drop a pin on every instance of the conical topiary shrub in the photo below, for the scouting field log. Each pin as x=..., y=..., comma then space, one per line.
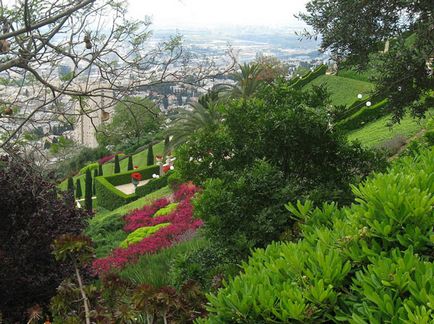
x=130, y=163
x=150, y=155
x=78, y=192
x=117, y=165
x=88, y=191
x=100, y=171
x=95, y=174
x=70, y=185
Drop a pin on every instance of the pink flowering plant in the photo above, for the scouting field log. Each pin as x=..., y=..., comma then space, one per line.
x=181, y=221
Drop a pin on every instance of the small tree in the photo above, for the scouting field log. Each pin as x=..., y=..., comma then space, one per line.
x=95, y=174
x=100, y=171
x=78, y=192
x=88, y=191
x=77, y=249
x=70, y=185
x=130, y=163
x=150, y=155
x=117, y=165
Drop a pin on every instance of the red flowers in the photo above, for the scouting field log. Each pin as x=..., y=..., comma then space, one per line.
x=136, y=176
x=136, y=167
x=166, y=168
x=181, y=220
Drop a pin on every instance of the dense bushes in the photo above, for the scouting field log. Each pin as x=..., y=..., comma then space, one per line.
x=33, y=213
x=371, y=262
x=245, y=212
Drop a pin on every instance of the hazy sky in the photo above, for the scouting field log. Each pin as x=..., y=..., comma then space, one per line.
x=218, y=13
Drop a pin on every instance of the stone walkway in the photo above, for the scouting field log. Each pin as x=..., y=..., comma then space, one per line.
x=129, y=187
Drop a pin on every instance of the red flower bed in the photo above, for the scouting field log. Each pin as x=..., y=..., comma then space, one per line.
x=181, y=220
x=136, y=176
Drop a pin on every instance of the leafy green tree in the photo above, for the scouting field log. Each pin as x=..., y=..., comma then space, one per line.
x=356, y=31
x=150, y=158
x=88, y=191
x=130, y=163
x=78, y=192
x=117, y=167
x=135, y=120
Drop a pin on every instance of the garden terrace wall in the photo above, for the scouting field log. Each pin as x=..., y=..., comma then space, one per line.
x=109, y=197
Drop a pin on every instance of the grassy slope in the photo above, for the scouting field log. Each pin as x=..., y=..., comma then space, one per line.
x=377, y=132
x=139, y=159
x=343, y=91
x=153, y=268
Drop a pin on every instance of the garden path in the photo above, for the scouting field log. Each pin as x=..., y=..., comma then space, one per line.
x=129, y=187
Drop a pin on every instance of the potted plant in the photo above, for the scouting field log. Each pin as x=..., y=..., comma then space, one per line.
x=135, y=178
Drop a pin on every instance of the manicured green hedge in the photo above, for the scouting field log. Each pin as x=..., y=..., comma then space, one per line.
x=91, y=166
x=153, y=185
x=109, y=197
x=357, y=105
x=320, y=70
x=364, y=115
x=125, y=177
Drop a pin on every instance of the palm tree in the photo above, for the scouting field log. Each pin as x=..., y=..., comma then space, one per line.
x=248, y=82
x=200, y=115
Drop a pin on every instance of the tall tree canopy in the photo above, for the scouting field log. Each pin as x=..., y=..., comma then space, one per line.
x=357, y=32
x=134, y=120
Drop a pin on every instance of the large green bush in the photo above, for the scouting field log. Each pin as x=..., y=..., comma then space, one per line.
x=367, y=263
x=245, y=210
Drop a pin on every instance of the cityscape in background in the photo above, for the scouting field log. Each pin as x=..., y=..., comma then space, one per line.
x=247, y=44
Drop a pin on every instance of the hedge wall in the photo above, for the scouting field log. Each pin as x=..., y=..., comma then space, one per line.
x=109, y=197
x=153, y=185
x=125, y=177
x=364, y=115
x=357, y=105
x=320, y=70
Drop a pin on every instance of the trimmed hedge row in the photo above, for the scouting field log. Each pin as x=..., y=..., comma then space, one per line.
x=153, y=185
x=125, y=177
x=357, y=105
x=364, y=115
x=111, y=198
x=309, y=77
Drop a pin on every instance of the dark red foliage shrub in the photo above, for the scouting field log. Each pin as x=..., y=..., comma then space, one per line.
x=33, y=213
x=181, y=220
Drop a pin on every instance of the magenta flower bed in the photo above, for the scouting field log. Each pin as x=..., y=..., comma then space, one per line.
x=181, y=220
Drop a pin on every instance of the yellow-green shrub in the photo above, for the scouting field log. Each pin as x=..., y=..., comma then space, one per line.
x=141, y=233
x=166, y=210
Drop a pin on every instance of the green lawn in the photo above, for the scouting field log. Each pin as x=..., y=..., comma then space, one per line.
x=377, y=132
x=139, y=159
x=343, y=91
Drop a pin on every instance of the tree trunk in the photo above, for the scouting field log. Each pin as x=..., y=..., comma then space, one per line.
x=83, y=294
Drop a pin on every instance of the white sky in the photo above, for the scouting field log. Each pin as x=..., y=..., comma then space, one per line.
x=218, y=13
